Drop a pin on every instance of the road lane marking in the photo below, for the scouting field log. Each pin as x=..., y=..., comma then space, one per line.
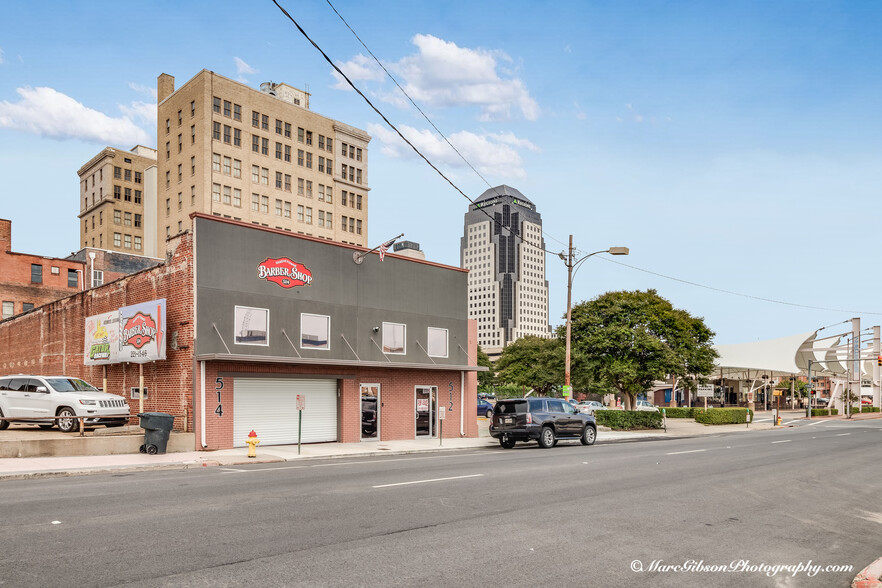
x=841, y=434
x=784, y=441
x=681, y=452
x=428, y=481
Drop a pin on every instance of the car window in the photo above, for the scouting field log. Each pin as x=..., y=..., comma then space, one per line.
x=511, y=407
x=71, y=385
x=18, y=384
x=555, y=406
x=4, y=384
x=31, y=385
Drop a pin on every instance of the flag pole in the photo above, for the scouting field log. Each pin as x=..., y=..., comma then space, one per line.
x=358, y=256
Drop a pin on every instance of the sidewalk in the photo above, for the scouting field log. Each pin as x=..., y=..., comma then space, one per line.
x=60, y=466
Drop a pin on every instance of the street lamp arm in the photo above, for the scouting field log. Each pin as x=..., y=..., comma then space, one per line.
x=578, y=263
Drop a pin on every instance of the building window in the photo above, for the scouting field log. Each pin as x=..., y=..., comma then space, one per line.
x=300, y=133
x=358, y=201
x=308, y=218
x=237, y=138
x=227, y=165
x=264, y=204
x=287, y=209
x=36, y=273
x=278, y=207
x=227, y=195
x=255, y=143
x=216, y=104
x=264, y=146
x=215, y=162
x=237, y=112
x=343, y=224
x=117, y=239
x=180, y=142
x=344, y=197
x=8, y=308
x=288, y=130
x=167, y=206
x=329, y=166
x=287, y=183
x=300, y=157
x=329, y=195
x=343, y=171
x=193, y=135
x=321, y=218
x=127, y=219
x=137, y=220
x=264, y=122
x=227, y=107
x=137, y=196
x=278, y=150
x=300, y=212
x=437, y=342
x=255, y=202
x=309, y=160
x=264, y=176
x=309, y=137
x=394, y=338
x=358, y=227
x=137, y=243
x=237, y=197
x=279, y=180
x=72, y=278
x=237, y=168
x=309, y=188
x=251, y=326
x=117, y=217
x=128, y=242
x=278, y=127
x=315, y=331
x=216, y=130
x=255, y=174
x=343, y=149
x=321, y=164
x=328, y=220
x=180, y=172
x=117, y=172
x=351, y=224
x=300, y=186
x=321, y=142
x=255, y=119
x=358, y=154
x=227, y=134
x=321, y=193
x=117, y=192
x=288, y=153
x=330, y=145
x=137, y=177
x=215, y=192
x=357, y=176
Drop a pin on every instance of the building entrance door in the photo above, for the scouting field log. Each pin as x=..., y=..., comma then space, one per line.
x=426, y=404
x=370, y=412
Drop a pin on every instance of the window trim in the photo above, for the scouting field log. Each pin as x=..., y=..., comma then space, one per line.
x=327, y=345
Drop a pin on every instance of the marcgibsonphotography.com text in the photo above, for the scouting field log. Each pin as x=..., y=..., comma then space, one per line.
x=746, y=566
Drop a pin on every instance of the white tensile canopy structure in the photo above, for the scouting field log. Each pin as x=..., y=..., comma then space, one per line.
x=764, y=362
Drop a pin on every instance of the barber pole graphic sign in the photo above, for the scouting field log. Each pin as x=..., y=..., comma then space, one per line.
x=284, y=272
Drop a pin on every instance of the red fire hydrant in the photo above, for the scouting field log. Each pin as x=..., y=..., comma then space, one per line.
x=252, y=442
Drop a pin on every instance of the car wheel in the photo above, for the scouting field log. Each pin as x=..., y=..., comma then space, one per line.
x=507, y=443
x=589, y=435
x=68, y=422
x=3, y=424
x=547, y=438
x=489, y=413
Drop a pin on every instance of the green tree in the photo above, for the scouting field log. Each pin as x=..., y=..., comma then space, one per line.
x=532, y=362
x=629, y=339
x=487, y=378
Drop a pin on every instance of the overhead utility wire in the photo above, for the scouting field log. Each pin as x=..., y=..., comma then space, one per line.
x=420, y=110
x=640, y=269
x=392, y=126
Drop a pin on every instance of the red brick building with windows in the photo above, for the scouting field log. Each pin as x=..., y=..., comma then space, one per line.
x=262, y=323
x=28, y=281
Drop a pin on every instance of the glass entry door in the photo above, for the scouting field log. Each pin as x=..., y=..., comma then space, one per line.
x=370, y=411
x=426, y=405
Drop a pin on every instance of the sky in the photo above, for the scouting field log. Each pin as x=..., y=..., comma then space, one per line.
x=734, y=147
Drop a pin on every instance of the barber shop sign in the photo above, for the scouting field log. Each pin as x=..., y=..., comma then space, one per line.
x=284, y=272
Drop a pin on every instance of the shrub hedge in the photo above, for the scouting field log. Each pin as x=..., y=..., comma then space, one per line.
x=825, y=411
x=684, y=412
x=721, y=416
x=869, y=409
x=623, y=420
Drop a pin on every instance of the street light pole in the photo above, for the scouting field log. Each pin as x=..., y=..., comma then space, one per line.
x=568, y=261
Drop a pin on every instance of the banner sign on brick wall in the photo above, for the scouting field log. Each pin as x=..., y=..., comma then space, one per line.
x=134, y=334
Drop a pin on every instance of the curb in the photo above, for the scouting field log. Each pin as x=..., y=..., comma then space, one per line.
x=870, y=576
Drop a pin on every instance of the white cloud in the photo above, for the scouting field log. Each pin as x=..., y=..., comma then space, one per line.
x=146, y=90
x=47, y=112
x=1, y=56
x=243, y=69
x=145, y=112
x=442, y=74
x=492, y=155
x=357, y=68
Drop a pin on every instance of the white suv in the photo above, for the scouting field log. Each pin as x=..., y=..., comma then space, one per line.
x=646, y=405
x=28, y=398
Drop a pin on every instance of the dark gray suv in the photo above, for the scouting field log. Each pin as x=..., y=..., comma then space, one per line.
x=542, y=419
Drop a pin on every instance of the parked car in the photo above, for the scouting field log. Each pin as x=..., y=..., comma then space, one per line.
x=866, y=401
x=542, y=419
x=646, y=405
x=30, y=397
x=485, y=409
x=590, y=406
x=487, y=395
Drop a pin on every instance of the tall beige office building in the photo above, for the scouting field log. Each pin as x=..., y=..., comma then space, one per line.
x=114, y=187
x=259, y=156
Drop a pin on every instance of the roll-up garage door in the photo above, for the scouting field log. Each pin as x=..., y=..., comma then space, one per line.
x=269, y=407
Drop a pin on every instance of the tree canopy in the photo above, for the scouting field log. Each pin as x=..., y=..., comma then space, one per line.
x=532, y=362
x=485, y=378
x=628, y=339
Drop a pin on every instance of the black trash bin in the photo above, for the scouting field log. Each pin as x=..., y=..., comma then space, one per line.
x=157, y=428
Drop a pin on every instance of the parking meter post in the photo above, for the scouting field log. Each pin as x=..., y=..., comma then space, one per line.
x=665, y=418
x=299, y=428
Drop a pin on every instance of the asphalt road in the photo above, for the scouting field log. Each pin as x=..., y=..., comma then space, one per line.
x=569, y=516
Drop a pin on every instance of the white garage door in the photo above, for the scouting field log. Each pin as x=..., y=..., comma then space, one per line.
x=268, y=406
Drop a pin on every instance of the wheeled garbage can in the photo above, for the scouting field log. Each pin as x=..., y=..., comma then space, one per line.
x=157, y=428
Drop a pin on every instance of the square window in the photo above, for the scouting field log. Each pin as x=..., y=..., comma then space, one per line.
x=394, y=338
x=437, y=342
x=73, y=278
x=315, y=331
x=251, y=326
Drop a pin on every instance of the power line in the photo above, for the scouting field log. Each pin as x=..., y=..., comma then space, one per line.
x=420, y=110
x=394, y=128
x=741, y=294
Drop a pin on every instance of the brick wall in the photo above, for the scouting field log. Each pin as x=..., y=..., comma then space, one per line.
x=51, y=339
